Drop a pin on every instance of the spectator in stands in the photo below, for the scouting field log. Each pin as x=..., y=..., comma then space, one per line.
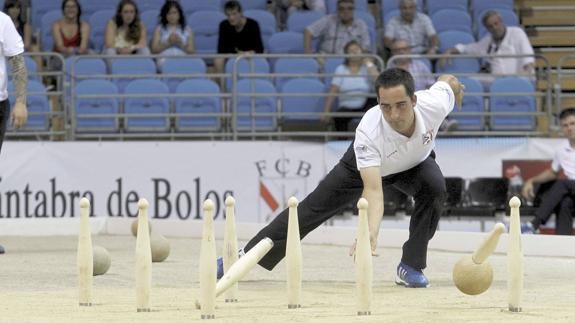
x=560, y=196
x=13, y=8
x=237, y=34
x=126, y=34
x=352, y=81
x=501, y=40
x=71, y=34
x=335, y=31
x=420, y=72
x=285, y=7
x=172, y=36
x=417, y=68
x=413, y=26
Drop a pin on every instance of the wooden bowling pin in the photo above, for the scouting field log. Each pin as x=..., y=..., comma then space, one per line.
x=230, y=253
x=293, y=256
x=143, y=259
x=85, y=258
x=514, y=258
x=363, y=262
x=208, y=269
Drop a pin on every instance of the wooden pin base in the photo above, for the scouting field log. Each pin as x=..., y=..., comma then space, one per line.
x=208, y=317
x=514, y=309
x=361, y=313
x=85, y=304
x=144, y=310
x=290, y=306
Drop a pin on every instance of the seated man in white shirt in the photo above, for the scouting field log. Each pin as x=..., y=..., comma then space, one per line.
x=501, y=40
x=560, y=197
x=393, y=146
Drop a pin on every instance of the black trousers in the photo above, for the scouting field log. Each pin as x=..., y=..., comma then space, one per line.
x=4, y=116
x=343, y=185
x=558, y=199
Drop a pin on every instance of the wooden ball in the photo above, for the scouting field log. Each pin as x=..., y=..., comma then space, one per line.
x=135, y=227
x=160, y=248
x=471, y=278
x=101, y=260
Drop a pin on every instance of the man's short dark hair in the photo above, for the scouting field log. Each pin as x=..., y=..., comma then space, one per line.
x=393, y=77
x=233, y=5
x=567, y=112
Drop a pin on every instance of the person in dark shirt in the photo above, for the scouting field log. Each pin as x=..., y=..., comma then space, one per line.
x=237, y=34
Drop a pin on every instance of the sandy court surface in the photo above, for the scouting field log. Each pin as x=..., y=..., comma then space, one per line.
x=38, y=284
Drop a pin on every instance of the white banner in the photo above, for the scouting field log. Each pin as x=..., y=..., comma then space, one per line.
x=46, y=180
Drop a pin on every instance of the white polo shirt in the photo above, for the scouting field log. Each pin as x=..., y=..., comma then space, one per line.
x=564, y=159
x=11, y=44
x=377, y=144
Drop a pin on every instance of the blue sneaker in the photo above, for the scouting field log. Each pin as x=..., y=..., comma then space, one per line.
x=527, y=228
x=410, y=277
x=220, y=264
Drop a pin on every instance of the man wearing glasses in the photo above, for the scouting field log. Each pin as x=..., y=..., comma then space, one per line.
x=335, y=31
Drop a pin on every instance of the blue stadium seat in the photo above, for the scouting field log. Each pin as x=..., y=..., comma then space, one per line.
x=331, y=6
x=93, y=107
x=39, y=7
x=89, y=7
x=249, y=106
x=267, y=22
x=509, y=18
x=134, y=107
x=145, y=5
x=254, y=4
x=436, y=5
x=369, y=20
x=38, y=106
x=132, y=65
x=249, y=65
x=183, y=65
x=387, y=16
x=46, y=23
x=98, y=22
x=312, y=103
x=246, y=66
x=471, y=103
x=307, y=67
x=449, y=39
x=201, y=5
x=205, y=25
x=299, y=20
x=480, y=6
x=329, y=67
x=451, y=19
x=77, y=66
x=518, y=104
x=198, y=106
x=286, y=42
x=150, y=19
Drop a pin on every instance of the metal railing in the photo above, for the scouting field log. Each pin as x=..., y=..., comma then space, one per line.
x=66, y=81
x=540, y=73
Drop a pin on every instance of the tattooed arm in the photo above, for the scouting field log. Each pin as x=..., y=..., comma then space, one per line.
x=19, y=113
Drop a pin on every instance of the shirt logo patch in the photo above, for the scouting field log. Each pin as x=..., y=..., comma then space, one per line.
x=427, y=137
